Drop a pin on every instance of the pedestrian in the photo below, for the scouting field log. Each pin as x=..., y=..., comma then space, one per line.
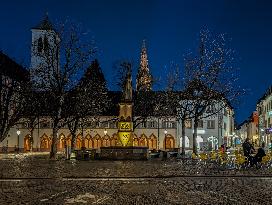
x=248, y=150
x=222, y=148
x=260, y=154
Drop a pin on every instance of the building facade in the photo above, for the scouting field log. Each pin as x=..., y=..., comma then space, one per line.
x=155, y=133
x=212, y=131
x=264, y=110
x=250, y=129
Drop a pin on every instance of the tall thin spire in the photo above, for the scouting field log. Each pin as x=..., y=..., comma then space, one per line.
x=45, y=24
x=143, y=46
x=144, y=78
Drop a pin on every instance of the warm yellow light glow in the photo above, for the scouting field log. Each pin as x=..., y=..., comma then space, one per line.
x=124, y=137
x=125, y=126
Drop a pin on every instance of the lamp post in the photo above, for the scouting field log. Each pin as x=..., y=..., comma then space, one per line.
x=105, y=133
x=165, y=133
x=18, y=135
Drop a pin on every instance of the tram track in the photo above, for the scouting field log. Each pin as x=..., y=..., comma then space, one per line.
x=142, y=178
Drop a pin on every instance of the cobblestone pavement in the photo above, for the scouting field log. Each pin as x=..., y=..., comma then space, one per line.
x=32, y=180
x=159, y=191
x=40, y=166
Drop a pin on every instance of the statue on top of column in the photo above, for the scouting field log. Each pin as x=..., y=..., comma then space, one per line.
x=127, y=92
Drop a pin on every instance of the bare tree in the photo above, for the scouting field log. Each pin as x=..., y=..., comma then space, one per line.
x=208, y=85
x=62, y=60
x=211, y=78
x=88, y=101
x=14, y=91
x=178, y=99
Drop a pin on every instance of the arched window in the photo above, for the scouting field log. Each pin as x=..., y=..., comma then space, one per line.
x=113, y=140
x=88, y=141
x=143, y=141
x=169, y=142
x=152, y=142
x=135, y=140
x=78, y=142
x=46, y=45
x=40, y=45
x=27, y=143
x=106, y=141
x=45, y=143
x=62, y=141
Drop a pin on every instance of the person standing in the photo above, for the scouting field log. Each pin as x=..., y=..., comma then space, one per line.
x=248, y=150
x=260, y=154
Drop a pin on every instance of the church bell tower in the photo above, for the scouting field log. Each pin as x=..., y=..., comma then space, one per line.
x=45, y=42
x=144, y=78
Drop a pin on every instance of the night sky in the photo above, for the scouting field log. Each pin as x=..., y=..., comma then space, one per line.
x=170, y=28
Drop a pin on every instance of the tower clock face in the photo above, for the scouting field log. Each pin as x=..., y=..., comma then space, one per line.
x=125, y=126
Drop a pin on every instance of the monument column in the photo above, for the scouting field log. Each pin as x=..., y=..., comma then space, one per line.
x=125, y=124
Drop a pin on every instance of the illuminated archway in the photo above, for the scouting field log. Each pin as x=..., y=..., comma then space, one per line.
x=152, y=142
x=106, y=141
x=97, y=141
x=79, y=141
x=113, y=140
x=143, y=141
x=62, y=142
x=45, y=143
x=27, y=143
x=88, y=141
x=135, y=140
x=169, y=142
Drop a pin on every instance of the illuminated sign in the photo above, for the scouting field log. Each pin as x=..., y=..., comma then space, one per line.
x=125, y=126
x=124, y=137
x=199, y=131
x=268, y=131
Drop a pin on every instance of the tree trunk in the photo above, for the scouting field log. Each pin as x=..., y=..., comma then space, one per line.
x=195, y=136
x=31, y=139
x=73, y=141
x=53, y=152
x=183, y=137
x=73, y=128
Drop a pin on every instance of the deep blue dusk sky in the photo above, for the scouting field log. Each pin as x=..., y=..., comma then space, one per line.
x=170, y=27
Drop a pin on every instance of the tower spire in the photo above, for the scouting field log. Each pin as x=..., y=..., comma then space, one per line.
x=144, y=78
x=143, y=45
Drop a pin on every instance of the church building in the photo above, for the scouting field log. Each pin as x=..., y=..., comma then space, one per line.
x=154, y=134
x=157, y=133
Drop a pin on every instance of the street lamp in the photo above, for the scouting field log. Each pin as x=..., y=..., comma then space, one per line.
x=18, y=134
x=105, y=133
x=165, y=133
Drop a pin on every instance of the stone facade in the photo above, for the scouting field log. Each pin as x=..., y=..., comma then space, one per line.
x=213, y=131
x=264, y=109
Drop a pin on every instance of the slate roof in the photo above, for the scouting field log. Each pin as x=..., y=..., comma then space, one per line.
x=13, y=70
x=45, y=24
